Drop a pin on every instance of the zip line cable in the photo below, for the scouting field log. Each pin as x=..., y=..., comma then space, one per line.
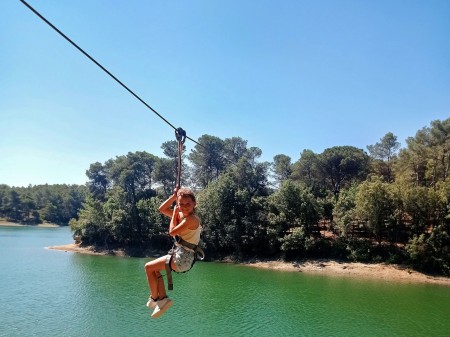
x=107, y=71
x=111, y=75
x=97, y=63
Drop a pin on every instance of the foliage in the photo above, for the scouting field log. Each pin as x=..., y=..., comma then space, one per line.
x=359, y=249
x=294, y=243
x=392, y=206
x=282, y=167
x=335, y=168
x=293, y=217
x=426, y=160
x=206, y=160
x=122, y=212
x=306, y=170
x=41, y=203
x=374, y=205
x=230, y=208
x=343, y=165
x=384, y=153
x=429, y=250
x=344, y=211
x=431, y=253
x=293, y=206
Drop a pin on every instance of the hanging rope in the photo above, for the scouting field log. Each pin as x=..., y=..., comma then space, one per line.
x=180, y=135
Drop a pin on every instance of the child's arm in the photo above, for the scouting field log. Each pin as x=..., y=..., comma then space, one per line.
x=177, y=227
x=165, y=206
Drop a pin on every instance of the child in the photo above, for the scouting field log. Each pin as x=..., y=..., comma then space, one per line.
x=185, y=227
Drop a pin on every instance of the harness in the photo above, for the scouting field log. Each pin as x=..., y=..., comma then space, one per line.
x=199, y=254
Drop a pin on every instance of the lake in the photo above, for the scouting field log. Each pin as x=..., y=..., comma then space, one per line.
x=55, y=293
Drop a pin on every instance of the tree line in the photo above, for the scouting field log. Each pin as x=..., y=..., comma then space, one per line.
x=387, y=204
x=41, y=203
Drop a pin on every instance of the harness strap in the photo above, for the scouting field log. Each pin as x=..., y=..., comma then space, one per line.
x=200, y=254
x=169, y=272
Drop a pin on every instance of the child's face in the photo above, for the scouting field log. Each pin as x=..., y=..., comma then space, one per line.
x=186, y=205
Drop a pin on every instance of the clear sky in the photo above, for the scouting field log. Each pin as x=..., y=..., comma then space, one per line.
x=284, y=75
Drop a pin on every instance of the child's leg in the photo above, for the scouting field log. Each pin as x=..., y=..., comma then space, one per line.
x=161, y=287
x=156, y=284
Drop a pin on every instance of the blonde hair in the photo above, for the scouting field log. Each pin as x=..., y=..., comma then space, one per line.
x=186, y=192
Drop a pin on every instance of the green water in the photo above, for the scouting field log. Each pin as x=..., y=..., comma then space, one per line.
x=53, y=293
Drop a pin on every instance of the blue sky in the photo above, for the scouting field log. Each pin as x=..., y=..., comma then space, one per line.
x=283, y=75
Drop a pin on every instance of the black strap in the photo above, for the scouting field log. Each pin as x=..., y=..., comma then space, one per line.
x=199, y=253
x=184, y=243
x=169, y=272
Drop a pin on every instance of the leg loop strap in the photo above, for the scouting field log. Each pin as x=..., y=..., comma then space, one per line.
x=169, y=273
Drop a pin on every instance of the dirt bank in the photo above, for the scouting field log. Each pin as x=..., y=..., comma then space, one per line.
x=15, y=224
x=378, y=271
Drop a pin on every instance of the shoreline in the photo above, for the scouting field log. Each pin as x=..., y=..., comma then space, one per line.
x=356, y=270
x=15, y=224
x=326, y=267
x=329, y=268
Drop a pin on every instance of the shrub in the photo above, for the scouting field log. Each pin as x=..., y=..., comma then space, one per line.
x=431, y=253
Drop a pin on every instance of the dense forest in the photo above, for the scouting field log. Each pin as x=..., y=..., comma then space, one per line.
x=385, y=203
x=32, y=205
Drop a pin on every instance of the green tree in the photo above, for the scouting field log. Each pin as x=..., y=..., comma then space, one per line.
x=13, y=206
x=384, y=152
x=374, y=204
x=3, y=192
x=167, y=169
x=154, y=224
x=234, y=148
x=231, y=208
x=164, y=173
x=308, y=171
x=439, y=144
x=217, y=207
x=344, y=211
x=133, y=173
x=207, y=160
x=52, y=212
x=422, y=205
x=92, y=226
x=281, y=167
x=412, y=162
x=119, y=217
x=426, y=160
x=128, y=181
x=293, y=215
x=339, y=166
x=98, y=180
x=431, y=252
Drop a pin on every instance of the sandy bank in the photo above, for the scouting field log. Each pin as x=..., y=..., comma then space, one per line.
x=73, y=247
x=378, y=271
x=15, y=224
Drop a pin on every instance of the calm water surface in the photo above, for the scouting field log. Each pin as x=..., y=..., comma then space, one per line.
x=54, y=293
